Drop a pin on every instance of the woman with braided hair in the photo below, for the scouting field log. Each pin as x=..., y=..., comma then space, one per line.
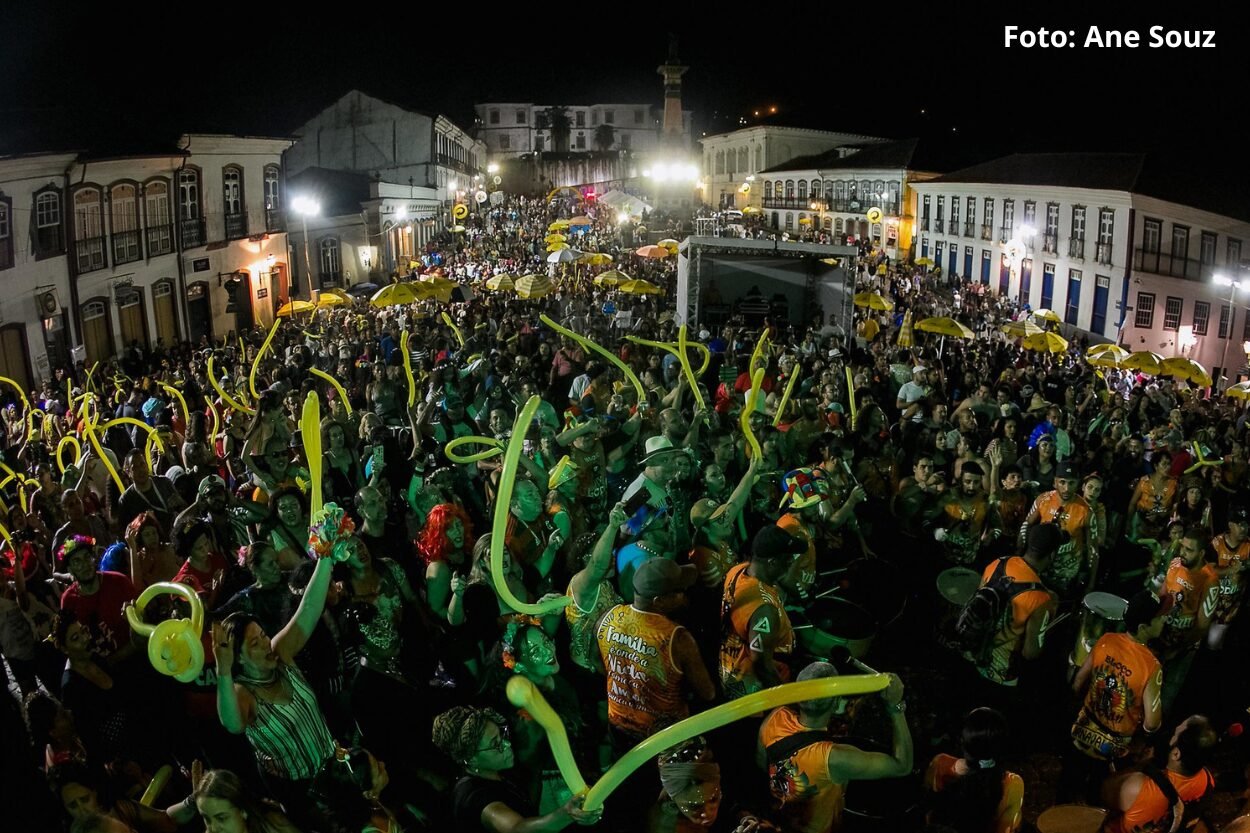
x=482, y=800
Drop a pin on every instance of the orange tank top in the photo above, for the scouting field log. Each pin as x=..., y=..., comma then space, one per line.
x=803, y=570
x=806, y=798
x=744, y=594
x=1150, y=812
x=583, y=638
x=644, y=682
x=1114, y=708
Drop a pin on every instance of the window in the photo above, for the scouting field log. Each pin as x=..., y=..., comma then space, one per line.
x=1076, y=245
x=273, y=198
x=1226, y=323
x=939, y=222
x=89, y=229
x=232, y=199
x=48, y=238
x=1151, y=235
x=815, y=189
x=1180, y=242
x=1009, y=221
x=1233, y=252
x=1172, y=312
x=954, y=216
x=1030, y=213
x=789, y=221
x=330, y=264
x=609, y=117
x=1106, y=234
x=6, y=231
x=924, y=214
x=1202, y=315
x=987, y=219
x=494, y=117
x=789, y=189
x=1208, y=248
x=505, y=141
x=581, y=118
x=540, y=144
x=124, y=223
x=1050, y=239
x=189, y=194
x=768, y=190
x=521, y=117
x=970, y=216
x=581, y=141
x=1144, y=315
x=156, y=217
x=1074, y=296
x=802, y=189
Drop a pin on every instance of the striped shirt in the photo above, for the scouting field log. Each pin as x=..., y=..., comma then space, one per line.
x=291, y=740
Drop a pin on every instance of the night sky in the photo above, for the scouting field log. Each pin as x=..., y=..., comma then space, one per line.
x=106, y=76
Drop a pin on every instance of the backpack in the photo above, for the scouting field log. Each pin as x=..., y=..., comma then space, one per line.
x=985, y=614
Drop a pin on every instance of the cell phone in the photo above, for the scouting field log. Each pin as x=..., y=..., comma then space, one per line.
x=636, y=502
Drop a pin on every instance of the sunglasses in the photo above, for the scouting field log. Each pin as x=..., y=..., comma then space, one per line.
x=501, y=743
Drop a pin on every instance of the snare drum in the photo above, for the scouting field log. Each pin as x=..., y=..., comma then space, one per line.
x=1100, y=613
x=834, y=623
x=1071, y=818
x=956, y=587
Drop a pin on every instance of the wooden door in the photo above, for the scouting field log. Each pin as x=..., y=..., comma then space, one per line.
x=14, y=360
x=97, y=335
x=165, y=313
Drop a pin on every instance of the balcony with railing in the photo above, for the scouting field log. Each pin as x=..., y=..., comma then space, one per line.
x=236, y=225
x=448, y=161
x=1076, y=248
x=1162, y=263
x=1004, y=234
x=273, y=220
x=987, y=231
x=1050, y=244
x=924, y=222
x=970, y=228
x=939, y=226
x=126, y=247
x=797, y=203
x=192, y=233
x=160, y=240
x=954, y=229
x=1102, y=253
x=90, y=252
x=331, y=278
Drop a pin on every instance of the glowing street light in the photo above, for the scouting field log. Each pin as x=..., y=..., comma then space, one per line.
x=306, y=207
x=1233, y=285
x=492, y=168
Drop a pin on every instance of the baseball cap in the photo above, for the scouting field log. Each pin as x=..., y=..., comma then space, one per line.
x=1066, y=469
x=1145, y=607
x=660, y=576
x=773, y=542
x=209, y=483
x=705, y=510
x=919, y=369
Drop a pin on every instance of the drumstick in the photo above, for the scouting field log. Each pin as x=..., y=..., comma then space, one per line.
x=1053, y=622
x=862, y=666
x=834, y=572
x=828, y=592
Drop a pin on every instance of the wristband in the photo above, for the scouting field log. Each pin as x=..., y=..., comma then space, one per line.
x=898, y=708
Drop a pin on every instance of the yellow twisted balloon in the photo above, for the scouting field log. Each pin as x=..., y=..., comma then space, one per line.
x=225, y=397
x=494, y=447
x=785, y=397
x=407, y=357
x=850, y=390
x=679, y=351
x=524, y=695
x=607, y=354
x=310, y=431
x=321, y=374
x=21, y=393
x=182, y=402
x=4, y=533
x=152, y=433
x=745, y=418
x=459, y=336
x=68, y=440
x=90, y=373
x=212, y=409
x=174, y=646
x=251, y=377
x=158, y=782
x=499, y=530
x=89, y=422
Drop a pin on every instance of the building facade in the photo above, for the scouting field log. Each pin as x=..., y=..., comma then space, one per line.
x=836, y=190
x=512, y=129
x=148, y=249
x=730, y=160
x=391, y=143
x=1106, y=241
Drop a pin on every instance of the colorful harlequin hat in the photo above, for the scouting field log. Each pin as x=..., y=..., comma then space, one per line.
x=804, y=487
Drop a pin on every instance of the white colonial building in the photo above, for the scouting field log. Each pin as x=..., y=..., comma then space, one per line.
x=836, y=190
x=99, y=253
x=391, y=143
x=1123, y=246
x=731, y=159
x=512, y=129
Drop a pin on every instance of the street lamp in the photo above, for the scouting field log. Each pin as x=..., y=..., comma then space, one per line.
x=819, y=207
x=1233, y=285
x=492, y=168
x=306, y=207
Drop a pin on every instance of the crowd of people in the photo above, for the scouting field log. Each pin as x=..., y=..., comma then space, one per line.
x=1045, y=560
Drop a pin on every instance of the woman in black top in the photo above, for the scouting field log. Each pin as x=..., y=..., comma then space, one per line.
x=482, y=799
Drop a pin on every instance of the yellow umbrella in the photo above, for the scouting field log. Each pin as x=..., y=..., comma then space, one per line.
x=533, y=286
x=1104, y=349
x=439, y=287
x=657, y=252
x=1021, y=329
x=924, y=261
x=1106, y=360
x=905, y=338
x=1047, y=315
x=399, y=293
x=873, y=300
x=554, y=237
x=1241, y=390
x=944, y=327
x=751, y=209
x=558, y=246
x=1143, y=361
x=295, y=308
x=669, y=243
x=640, y=287
x=596, y=258
x=333, y=298
x=558, y=225
x=580, y=220
x=1180, y=367
x=612, y=278
x=1046, y=343
x=500, y=283
x=805, y=221
x=457, y=229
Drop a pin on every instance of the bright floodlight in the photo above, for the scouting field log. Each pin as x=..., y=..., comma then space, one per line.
x=306, y=206
x=401, y=213
x=492, y=168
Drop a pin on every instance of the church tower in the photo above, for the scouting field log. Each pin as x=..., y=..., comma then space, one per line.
x=672, y=70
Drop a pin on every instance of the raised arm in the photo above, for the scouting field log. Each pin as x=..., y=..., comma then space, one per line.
x=846, y=763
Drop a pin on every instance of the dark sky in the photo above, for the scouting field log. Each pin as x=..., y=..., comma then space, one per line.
x=945, y=77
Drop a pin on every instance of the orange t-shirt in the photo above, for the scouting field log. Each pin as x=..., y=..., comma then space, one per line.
x=644, y=682
x=803, y=570
x=1073, y=518
x=1150, y=811
x=1224, y=592
x=806, y=798
x=737, y=656
x=1007, y=818
x=1006, y=647
x=1114, y=708
x=1189, y=586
